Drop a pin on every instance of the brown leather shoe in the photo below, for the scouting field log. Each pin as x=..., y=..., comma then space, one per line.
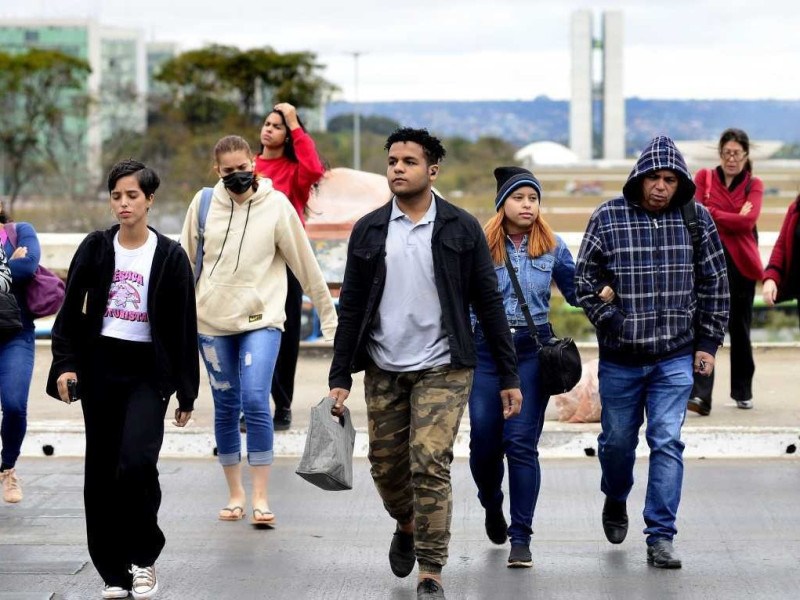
x=699, y=406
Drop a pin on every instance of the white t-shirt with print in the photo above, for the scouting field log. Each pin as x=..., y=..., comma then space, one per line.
x=126, y=315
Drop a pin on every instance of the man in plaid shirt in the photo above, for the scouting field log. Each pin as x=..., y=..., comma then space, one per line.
x=666, y=322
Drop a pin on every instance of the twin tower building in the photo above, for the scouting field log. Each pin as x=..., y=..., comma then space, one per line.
x=597, y=107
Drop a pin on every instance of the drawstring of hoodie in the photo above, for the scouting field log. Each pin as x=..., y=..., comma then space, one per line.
x=225, y=239
x=241, y=239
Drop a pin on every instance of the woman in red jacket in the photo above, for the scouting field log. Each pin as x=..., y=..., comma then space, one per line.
x=782, y=275
x=289, y=158
x=733, y=196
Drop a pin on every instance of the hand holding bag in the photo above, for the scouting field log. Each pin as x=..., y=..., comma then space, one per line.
x=327, y=460
x=560, y=364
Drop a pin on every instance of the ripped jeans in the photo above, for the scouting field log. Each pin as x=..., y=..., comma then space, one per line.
x=240, y=371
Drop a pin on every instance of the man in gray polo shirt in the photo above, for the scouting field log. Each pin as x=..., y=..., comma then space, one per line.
x=414, y=268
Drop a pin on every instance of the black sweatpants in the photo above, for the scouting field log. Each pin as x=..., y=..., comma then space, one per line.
x=124, y=418
x=286, y=365
x=743, y=367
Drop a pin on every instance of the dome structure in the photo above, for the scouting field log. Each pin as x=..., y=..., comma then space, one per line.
x=545, y=153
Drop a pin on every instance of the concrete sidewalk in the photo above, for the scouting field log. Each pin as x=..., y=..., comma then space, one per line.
x=738, y=536
x=771, y=429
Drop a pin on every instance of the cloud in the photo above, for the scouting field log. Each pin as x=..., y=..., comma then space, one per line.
x=472, y=49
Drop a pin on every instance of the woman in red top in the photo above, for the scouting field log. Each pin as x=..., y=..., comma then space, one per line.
x=289, y=158
x=782, y=275
x=733, y=196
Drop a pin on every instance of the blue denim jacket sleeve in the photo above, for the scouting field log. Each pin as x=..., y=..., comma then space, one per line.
x=564, y=272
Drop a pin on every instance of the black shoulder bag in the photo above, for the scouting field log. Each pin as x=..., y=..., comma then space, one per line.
x=560, y=364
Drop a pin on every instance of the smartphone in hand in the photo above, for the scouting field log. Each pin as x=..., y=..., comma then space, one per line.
x=72, y=390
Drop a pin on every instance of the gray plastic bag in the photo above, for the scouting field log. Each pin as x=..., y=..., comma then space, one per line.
x=327, y=460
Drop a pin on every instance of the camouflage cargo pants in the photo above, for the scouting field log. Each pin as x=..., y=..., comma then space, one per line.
x=413, y=421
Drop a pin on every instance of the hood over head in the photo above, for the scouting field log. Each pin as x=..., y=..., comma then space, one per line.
x=660, y=154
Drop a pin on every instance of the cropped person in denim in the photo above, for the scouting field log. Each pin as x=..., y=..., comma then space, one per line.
x=252, y=233
x=666, y=323
x=539, y=258
x=16, y=355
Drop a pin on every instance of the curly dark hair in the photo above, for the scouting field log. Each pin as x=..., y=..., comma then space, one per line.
x=432, y=146
x=148, y=179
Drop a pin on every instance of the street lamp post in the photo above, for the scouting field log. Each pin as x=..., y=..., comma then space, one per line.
x=356, y=119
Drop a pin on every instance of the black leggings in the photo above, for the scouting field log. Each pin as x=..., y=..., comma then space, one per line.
x=286, y=365
x=743, y=367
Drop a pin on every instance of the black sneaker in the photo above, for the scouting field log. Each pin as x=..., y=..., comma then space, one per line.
x=496, y=526
x=615, y=520
x=699, y=406
x=402, y=556
x=429, y=589
x=662, y=555
x=283, y=419
x=520, y=557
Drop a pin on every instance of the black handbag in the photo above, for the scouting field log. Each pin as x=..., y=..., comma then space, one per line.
x=560, y=365
x=10, y=317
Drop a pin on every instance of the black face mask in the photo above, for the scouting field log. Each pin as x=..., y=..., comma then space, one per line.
x=239, y=182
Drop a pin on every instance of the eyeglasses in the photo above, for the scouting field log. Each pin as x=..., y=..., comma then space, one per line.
x=736, y=155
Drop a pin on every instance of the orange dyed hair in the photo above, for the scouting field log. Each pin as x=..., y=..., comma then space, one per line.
x=541, y=238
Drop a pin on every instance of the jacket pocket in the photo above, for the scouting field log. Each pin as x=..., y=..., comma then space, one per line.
x=230, y=307
x=367, y=253
x=458, y=245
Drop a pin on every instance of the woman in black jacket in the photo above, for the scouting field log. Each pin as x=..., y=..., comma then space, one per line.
x=124, y=342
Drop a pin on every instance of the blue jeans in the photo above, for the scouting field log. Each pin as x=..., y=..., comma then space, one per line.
x=628, y=393
x=16, y=370
x=240, y=370
x=492, y=437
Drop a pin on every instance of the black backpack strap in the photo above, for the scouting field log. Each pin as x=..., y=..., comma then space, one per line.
x=689, y=214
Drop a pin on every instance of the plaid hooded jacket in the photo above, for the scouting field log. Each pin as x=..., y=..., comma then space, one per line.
x=668, y=302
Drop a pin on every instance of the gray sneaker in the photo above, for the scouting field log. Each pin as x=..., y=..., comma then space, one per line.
x=429, y=589
x=145, y=584
x=662, y=555
x=745, y=404
x=520, y=557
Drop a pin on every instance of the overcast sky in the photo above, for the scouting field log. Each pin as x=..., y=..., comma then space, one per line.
x=480, y=49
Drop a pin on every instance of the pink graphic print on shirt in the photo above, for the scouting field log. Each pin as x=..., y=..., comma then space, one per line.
x=125, y=298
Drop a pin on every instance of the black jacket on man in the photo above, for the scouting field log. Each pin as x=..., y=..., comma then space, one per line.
x=170, y=307
x=464, y=275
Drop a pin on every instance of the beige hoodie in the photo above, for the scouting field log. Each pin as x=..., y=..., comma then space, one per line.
x=242, y=284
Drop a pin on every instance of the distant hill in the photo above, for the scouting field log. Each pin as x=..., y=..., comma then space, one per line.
x=524, y=121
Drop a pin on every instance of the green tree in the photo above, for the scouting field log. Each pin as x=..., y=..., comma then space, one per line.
x=214, y=82
x=40, y=90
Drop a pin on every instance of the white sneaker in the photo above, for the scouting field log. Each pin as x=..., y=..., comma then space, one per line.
x=145, y=584
x=114, y=591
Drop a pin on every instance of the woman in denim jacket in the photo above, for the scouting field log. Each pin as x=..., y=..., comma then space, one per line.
x=539, y=257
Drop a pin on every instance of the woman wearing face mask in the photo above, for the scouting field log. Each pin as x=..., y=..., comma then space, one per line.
x=289, y=158
x=251, y=235
x=733, y=196
x=17, y=353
